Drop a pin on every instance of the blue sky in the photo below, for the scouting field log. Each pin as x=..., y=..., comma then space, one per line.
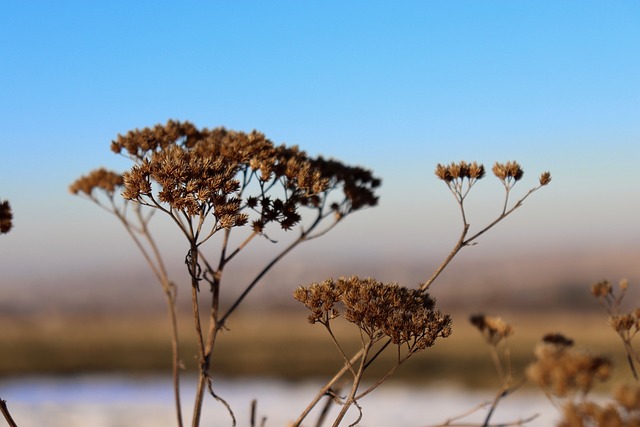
x=394, y=86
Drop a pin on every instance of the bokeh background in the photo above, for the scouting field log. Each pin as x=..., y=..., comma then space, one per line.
x=394, y=87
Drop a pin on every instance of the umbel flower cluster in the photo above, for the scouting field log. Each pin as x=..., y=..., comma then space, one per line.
x=508, y=173
x=108, y=181
x=562, y=370
x=180, y=168
x=494, y=329
x=627, y=325
x=405, y=316
x=6, y=217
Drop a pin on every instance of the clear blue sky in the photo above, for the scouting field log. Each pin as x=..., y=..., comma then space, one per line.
x=394, y=86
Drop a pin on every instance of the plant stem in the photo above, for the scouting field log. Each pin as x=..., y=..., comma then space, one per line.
x=351, y=399
x=7, y=415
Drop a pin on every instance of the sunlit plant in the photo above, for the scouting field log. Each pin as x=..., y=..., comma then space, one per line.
x=394, y=316
x=215, y=185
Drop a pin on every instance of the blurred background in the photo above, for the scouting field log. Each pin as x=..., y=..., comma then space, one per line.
x=396, y=88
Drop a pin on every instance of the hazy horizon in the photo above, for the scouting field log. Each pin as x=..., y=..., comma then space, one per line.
x=395, y=88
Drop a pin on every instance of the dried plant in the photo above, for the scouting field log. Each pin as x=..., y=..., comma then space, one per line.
x=103, y=187
x=626, y=324
x=6, y=217
x=567, y=375
x=563, y=371
x=407, y=318
x=221, y=183
x=321, y=298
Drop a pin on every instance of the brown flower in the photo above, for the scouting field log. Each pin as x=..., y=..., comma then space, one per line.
x=406, y=316
x=6, y=217
x=563, y=370
x=494, y=329
x=102, y=179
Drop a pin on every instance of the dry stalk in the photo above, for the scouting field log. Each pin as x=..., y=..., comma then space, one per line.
x=6, y=414
x=460, y=178
x=202, y=179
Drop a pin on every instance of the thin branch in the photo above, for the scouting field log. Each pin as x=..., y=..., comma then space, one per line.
x=7, y=415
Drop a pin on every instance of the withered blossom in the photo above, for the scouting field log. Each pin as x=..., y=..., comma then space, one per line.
x=458, y=171
x=6, y=217
x=545, y=178
x=493, y=328
x=200, y=171
x=601, y=289
x=405, y=316
x=358, y=185
x=101, y=178
x=562, y=370
x=509, y=172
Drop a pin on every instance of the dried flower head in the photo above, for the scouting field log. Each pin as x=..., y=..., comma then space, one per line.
x=587, y=413
x=601, y=289
x=459, y=171
x=102, y=179
x=628, y=396
x=494, y=329
x=358, y=186
x=198, y=172
x=545, y=178
x=380, y=310
x=6, y=217
x=562, y=370
x=508, y=172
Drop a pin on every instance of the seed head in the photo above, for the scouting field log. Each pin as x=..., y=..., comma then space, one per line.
x=405, y=316
x=563, y=370
x=628, y=396
x=102, y=179
x=545, y=178
x=509, y=171
x=6, y=217
x=602, y=289
x=459, y=171
x=494, y=329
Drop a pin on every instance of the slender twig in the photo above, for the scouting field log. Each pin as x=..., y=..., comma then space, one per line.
x=7, y=415
x=351, y=399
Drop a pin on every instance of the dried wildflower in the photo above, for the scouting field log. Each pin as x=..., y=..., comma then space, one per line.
x=320, y=298
x=623, y=323
x=508, y=172
x=494, y=329
x=562, y=370
x=380, y=310
x=6, y=217
x=628, y=396
x=545, y=178
x=458, y=171
x=102, y=179
x=358, y=186
x=601, y=289
x=206, y=171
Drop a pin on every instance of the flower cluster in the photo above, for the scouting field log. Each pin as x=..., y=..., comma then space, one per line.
x=562, y=370
x=98, y=179
x=405, y=316
x=494, y=329
x=6, y=217
x=200, y=171
x=507, y=172
x=459, y=171
x=358, y=185
x=627, y=325
x=623, y=412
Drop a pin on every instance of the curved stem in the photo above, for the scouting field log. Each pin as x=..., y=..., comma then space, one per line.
x=6, y=414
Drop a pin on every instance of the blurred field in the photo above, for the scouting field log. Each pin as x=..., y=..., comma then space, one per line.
x=268, y=344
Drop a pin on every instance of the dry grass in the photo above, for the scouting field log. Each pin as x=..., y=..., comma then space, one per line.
x=279, y=345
